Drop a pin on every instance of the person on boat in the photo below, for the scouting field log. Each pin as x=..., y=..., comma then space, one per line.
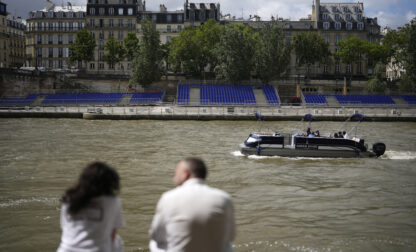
x=317, y=134
x=308, y=131
x=193, y=216
x=91, y=212
x=346, y=136
x=340, y=135
x=335, y=135
x=312, y=134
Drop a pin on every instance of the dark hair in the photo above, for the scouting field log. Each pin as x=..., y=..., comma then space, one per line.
x=197, y=167
x=96, y=179
x=344, y=132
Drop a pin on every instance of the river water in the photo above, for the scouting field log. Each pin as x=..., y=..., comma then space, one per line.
x=281, y=204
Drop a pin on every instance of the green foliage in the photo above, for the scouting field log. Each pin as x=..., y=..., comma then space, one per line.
x=310, y=48
x=131, y=45
x=272, y=54
x=147, y=63
x=349, y=50
x=409, y=58
x=235, y=53
x=376, y=83
x=407, y=84
x=83, y=47
x=193, y=49
x=115, y=51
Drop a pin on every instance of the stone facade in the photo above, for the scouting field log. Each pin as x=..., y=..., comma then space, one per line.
x=49, y=33
x=3, y=36
x=16, y=41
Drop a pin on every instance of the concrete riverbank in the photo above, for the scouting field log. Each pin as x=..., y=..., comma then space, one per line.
x=173, y=112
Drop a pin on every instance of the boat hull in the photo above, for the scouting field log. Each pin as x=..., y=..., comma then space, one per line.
x=290, y=151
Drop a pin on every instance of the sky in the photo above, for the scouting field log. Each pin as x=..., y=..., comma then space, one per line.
x=391, y=13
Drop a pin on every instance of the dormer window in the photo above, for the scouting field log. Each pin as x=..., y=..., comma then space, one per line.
x=334, y=9
x=337, y=16
x=360, y=26
x=359, y=17
x=345, y=9
x=325, y=16
x=326, y=25
x=348, y=17
x=356, y=9
x=92, y=11
x=349, y=26
x=287, y=26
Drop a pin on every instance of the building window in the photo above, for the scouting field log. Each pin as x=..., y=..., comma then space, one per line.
x=345, y=9
x=50, y=54
x=349, y=26
x=71, y=26
x=50, y=63
x=92, y=11
x=50, y=39
x=212, y=14
x=326, y=37
x=348, y=17
x=70, y=39
x=169, y=18
x=60, y=39
x=348, y=68
x=101, y=23
x=359, y=17
x=168, y=28
x=111, y=66
x=120, y=11
x=101, y=66
x=326, y=25
x=101, y=34
x=337, y=38
x=92, y=34
x=120, y=23
x=359, y=69
x=356, y=9
x=120, y=35
x=60, y=52
x=111, y=23
x=338, y=25
x=130, y=11
x=92, y=23
x=130, y=23
x=179, y=28
x=202, y=16
x=192, y=16
x=101, y=11
x=337, y=16
x=179, y=18
x=360, y=26
x=287, y=26
x=325, y=68
x=101, y=47
x=110, y=34
x=325, y=16
x=92, y=66
x=101, y=56
x=154, y=17
x=337, y=68
x=111, y=11
x=168, y=39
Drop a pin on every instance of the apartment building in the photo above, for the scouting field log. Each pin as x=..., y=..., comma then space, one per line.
x=3, y=35
x=16, y=41
x=110, y=18
x=49, y=33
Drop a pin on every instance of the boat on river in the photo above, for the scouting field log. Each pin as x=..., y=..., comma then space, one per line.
x=310, y=145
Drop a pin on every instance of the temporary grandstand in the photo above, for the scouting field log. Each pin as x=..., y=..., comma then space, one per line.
x=226, y=94
x=357, y=100
x=104, y=99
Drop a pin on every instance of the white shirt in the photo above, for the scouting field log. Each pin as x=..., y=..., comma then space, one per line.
x=193, y=217
x=91, y=228
x=346, y=136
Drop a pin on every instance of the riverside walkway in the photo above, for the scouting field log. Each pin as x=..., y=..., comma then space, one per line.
x=175, y=112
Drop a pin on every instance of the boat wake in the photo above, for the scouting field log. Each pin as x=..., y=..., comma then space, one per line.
x=388, y=155
x=21, y=202
x=399, y=155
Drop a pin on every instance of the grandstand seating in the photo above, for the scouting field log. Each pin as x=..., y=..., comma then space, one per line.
x=143, y=98
x=317, y=99
x=365, y=99
x=410, y=99
x=21, y=101
x=226, y=94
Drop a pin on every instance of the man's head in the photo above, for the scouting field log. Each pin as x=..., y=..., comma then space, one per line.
x=189, y=168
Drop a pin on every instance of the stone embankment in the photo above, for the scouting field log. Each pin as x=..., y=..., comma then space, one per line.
x=172, y=112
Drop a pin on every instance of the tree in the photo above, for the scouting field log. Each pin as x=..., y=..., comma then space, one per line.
x=147, y=63
x=350, y=50
x=194, y=49
x=235, y=53
x=131, y=45
x=115, y=52
x=83, y=47
x=272, y=54
x=376, y=83
x=310, y=48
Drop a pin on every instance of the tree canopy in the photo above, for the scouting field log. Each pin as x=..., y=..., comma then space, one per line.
x=115, y=52
x=272, y=53
x=83, y=47
x=147, y=63
x=131, y=45
x=310, y=48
